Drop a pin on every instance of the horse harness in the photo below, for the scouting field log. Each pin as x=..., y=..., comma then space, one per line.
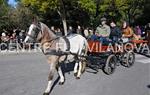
x=58, y=52
x=51, y=41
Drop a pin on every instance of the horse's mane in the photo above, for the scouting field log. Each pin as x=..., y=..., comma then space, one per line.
x=47, y=32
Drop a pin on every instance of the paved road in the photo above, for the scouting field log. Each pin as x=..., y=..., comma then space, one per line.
x=26, y=74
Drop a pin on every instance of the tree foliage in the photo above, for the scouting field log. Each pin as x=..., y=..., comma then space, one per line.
x=12, y=18
x=21, y=16
x=74, y=12
x=3, y=14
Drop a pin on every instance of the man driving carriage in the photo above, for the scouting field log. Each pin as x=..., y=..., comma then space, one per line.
x=102, y=32
x=106, y=34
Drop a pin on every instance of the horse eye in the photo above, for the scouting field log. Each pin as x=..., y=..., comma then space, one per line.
x=34, y=29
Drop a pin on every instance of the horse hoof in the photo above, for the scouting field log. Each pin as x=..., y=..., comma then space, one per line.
x=61, y=83
x=46, y=94
x=77, y=77
x=75, y=74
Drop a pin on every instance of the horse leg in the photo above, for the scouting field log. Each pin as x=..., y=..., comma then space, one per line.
x=76, y=68
x=84, y=62
x=79, y=71
x=60, y=73
x=50, y=78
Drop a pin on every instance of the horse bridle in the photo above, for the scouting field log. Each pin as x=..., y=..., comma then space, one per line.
x=37, y=31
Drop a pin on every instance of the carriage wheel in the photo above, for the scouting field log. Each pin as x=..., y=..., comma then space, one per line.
x=110, y=65
x=129, y=59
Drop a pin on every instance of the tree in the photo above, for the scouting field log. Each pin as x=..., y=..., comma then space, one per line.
x=145, y=15
x=48, y=6
x=4, y=19
x=21, y=16
x=72, y=12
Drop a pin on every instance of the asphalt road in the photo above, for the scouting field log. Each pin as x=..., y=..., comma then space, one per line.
x=26, y=74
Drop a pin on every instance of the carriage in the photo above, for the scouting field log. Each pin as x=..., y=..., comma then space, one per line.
x=75, y=47
x=108, y=56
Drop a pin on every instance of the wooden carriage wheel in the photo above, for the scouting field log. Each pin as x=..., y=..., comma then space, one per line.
x=129, y=59
x=110, y=65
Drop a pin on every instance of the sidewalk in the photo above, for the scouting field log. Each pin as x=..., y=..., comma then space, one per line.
x=8, y=52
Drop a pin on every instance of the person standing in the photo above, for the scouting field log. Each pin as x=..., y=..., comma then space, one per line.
x=58, y=32
x=70, y=30
x=86, y=33
x=79, y=30
x=5, y=41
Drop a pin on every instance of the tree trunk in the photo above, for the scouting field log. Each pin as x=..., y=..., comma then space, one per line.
x=63, y=16
x=129, y=16
x=65, y=26
x=97, y=7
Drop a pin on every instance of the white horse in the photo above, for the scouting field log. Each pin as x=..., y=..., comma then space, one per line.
x=58, y=50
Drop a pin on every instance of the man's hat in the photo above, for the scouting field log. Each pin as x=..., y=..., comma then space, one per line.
x=103, y=19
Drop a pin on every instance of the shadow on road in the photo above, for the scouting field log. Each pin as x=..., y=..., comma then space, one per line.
x=148, y=86
x=67, y=68
x=146, y=55
x=54, y=84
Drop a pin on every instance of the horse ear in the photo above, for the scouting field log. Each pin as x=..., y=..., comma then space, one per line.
x=35, y=21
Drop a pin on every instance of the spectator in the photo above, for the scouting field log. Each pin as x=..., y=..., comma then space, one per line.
x=17, y=31
x=13, y=38
x=147, y=30
x=22, y=36
x=5, y=41
x=138, y=31
x=91, y=32
x=70, y=30
x=4, y=37
x=58, y=32
x=79, y=30
x=86, y=33
x=53, y=29
x=143, y=32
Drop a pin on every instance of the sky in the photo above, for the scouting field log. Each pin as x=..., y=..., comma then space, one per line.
x=12, y=2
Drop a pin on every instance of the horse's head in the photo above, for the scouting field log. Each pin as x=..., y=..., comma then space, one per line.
x=34, y=33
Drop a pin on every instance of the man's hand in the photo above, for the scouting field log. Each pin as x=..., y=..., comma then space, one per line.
x=104, y=35
x=97, y=34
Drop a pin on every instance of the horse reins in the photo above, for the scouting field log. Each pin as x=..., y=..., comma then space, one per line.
x=49, y=40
